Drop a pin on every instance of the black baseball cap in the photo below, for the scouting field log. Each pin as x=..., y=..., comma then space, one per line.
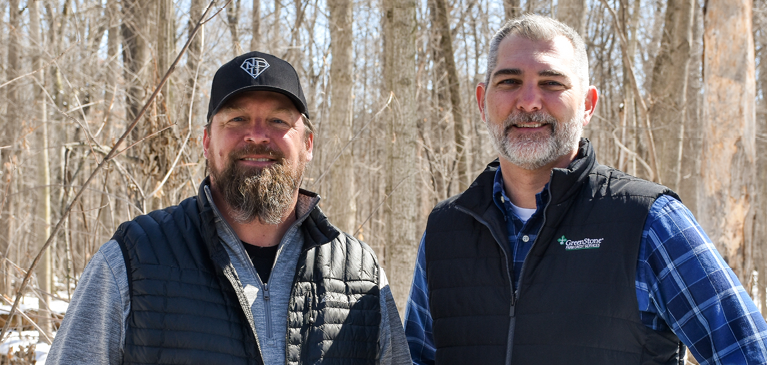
x=255, y=71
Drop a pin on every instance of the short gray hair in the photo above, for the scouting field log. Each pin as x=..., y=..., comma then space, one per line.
x=540, y=28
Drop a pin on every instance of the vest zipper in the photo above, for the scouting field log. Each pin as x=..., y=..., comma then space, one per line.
x=537, y=235
x=268, y=310
x=513, y=301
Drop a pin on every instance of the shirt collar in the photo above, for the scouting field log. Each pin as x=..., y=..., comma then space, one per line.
x=502, y=200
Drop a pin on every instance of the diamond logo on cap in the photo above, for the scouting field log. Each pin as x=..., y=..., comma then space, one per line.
x=254, y=66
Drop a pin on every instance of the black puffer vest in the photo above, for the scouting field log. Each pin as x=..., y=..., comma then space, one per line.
x=576, y=302
x=188, y=307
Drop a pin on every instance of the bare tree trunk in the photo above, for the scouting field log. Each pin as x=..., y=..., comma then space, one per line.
x=512, y=8
x=760, y=210
x=573, y=13
x=45, y=268
x=135, y=56
x=10, y=130
x=729, y=129
x=399, y=25
x=165, y=50
x=112, y=67
x=454, y=88
x=341, y=203
x=669, y=90
x=276, y=41
x=233, y=20
x=193, y=55
x=255, y=39
x=293, y=53
x=629, y=135
x=693, y=129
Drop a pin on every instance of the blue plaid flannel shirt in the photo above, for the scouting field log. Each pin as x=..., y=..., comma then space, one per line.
x=682, y=283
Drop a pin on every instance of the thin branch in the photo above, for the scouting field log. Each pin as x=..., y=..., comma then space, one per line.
x=112, y=153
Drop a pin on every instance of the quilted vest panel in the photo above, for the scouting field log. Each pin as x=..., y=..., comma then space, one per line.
x=183, y=310
x=334, y=313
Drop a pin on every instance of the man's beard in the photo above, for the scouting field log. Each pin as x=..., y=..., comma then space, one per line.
x=535, y=150
x=265, y=193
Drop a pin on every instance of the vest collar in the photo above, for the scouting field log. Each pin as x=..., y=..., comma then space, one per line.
x=317, y=229
x=565, y=183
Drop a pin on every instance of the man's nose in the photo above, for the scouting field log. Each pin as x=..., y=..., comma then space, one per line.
x=529, y=99
x=257, y=134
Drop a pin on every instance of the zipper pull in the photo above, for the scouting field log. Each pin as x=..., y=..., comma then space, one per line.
x=266, y=291
x=513, y=303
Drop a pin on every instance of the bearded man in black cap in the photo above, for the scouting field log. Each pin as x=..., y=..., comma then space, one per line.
x=249, y=271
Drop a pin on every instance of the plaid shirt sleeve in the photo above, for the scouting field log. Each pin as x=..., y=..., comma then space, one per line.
x=418, y=317
x=684, y=284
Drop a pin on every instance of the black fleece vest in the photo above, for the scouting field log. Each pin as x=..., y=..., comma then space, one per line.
x=577, y=299
x=185, y=311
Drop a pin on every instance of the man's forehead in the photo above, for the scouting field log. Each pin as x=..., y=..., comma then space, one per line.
x=545, y=57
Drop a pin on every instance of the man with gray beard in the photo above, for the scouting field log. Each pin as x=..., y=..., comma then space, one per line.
x=550, y=257
x=249, y=271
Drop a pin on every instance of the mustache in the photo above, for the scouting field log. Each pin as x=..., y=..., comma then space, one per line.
x=259, y=149
x=519, y=117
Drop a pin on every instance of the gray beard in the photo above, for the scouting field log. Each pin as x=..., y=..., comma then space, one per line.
x=535, y=151
x=265, y=194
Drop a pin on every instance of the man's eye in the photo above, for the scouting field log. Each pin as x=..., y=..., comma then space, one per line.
x=553, y=83
x=508, y=82
x=279, y=121
x=237, y=119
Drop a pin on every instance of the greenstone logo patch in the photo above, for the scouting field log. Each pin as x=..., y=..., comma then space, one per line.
x=584, y=244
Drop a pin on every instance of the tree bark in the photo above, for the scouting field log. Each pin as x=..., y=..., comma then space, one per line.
x=341, y=203
x=112, y=65
x=45, y=268
x=454, y=88
x=728, y=158
x=399, y=27
x=233, y=20
x=512, y=9
x=11, y=130
x=760, y=225
x=255, y=39
x=193, y=55
x=693, y=129
x=573, y=13
x=668, y=98
x=135, y=56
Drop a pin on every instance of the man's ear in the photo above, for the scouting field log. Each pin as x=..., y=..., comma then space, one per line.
x=205, y=142
x=309, y=146
x=480, y=93
x=590, y=104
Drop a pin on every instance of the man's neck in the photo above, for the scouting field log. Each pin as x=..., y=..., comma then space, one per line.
x=521, y=185
x=256, y=232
